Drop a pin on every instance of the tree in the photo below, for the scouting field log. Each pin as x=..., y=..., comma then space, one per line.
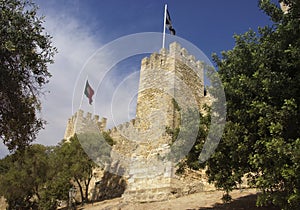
x=78, y=165
x=184, y=140
x=261, y=79
x=58, y=181
x=25, y=52
x=39, y=177
x=22, y=179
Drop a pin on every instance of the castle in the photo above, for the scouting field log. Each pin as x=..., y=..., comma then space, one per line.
x=171, y=82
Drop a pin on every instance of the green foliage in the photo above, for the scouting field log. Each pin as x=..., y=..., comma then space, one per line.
x=25, y=52
x=176, y=105
x=183, y=142
x=192, y=158
x=173, y=133
x=34, y=178
x=261, y=78
x=58, y=183
x=226, y=197
x=22, y=177
x=108, y=138
x=97, y=146
x=40, y=176
x=78, y=165
x=226, y=166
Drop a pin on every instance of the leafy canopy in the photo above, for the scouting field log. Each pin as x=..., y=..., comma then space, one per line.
x=25, y=52
x=261, y=77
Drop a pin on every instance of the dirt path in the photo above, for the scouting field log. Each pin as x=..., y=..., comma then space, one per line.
x=242, y=200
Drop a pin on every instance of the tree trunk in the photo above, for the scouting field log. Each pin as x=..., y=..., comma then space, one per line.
x=81, y=191
x=87, y=188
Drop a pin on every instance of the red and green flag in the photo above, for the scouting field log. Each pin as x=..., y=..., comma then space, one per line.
x=89, y=92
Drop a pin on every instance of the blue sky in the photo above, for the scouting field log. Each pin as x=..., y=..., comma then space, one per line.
x=210, y=25
x=79, y=28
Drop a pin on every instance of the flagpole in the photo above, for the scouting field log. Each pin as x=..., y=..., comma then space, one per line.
x=164, y=31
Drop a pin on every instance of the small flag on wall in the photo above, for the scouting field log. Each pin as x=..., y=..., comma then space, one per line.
x=89, y=92
x=169, y=24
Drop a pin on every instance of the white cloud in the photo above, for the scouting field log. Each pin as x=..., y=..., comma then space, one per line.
x=75, y=45
x=76, y=58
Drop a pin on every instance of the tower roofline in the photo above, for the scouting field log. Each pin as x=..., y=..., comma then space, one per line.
x=177, y=52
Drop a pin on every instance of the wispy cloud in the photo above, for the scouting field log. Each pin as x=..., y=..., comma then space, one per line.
x=74, y=62
x=74, y=45
x=115, y=84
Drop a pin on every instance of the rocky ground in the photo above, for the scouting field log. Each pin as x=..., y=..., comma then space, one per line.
x=242, y=200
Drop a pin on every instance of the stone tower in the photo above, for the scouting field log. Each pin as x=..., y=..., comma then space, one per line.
x=166, y=78
x=170, y=81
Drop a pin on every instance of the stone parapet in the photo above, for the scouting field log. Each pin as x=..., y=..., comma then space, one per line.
x=171, y=81
x=80, y=123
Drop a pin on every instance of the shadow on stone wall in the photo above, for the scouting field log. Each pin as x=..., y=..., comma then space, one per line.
x=111, y=186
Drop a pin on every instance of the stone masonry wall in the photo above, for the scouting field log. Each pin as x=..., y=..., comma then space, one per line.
x=79, y=123
x=166, y=77
x=170, y=82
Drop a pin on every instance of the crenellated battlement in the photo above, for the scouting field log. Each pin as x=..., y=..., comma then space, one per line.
x=172, y=73
x=171, y=81
x=181, y=54
x=81, y=123
x=175, y=53
x=123, y=132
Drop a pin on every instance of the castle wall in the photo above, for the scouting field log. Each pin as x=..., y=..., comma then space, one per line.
x=171, y=81
x=123, y=136
x=80, y=123
x=172, y=74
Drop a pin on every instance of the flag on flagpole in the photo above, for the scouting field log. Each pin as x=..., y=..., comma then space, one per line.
x=89, y=92
x=169, y=23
